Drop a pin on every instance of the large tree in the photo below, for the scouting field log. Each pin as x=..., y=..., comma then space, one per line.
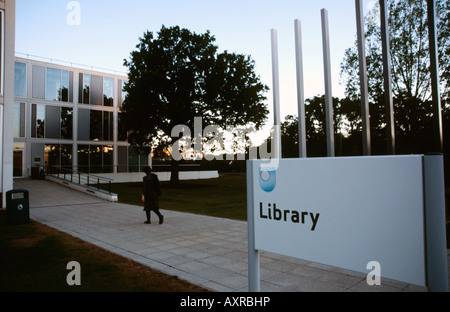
x=179, y=75
x=411, y=81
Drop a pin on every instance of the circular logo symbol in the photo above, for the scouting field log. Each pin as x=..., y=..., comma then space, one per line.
x=267, y=179
x=20, y=207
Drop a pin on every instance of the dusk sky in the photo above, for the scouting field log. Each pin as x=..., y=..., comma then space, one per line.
x=109, y=30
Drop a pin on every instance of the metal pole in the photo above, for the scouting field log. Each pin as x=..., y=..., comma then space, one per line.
x=363, y=78
x=276, y=94
x=300, y=90
x=388, y=101
x=436, y=249
x=254, y=283
x=328, y=89
x=434, y=68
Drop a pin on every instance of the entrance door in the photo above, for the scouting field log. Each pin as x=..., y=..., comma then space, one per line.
x=18, y=163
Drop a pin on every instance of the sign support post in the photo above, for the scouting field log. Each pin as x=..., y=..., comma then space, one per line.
x=435, y=232
x=253, y=253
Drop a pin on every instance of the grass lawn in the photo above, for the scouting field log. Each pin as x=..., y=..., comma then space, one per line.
x=34, y=259
x=225, y=197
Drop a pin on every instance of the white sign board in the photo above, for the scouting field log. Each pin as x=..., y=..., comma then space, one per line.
x=343, y=212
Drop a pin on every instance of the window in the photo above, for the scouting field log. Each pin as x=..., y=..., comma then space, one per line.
x=123, y=93
x=19, y=120
x=53, y=84
x=122, y=134
x=51, y=122
x=95, y=125
x=107, y=165
x=20, y=80
x=136, y=160
x=38, y=82
x=83, y=124
x=83, y=158
x=84, y=87
x=95, y=158
x=108, y=91
x=66, y=123
x=66, y=156
x=58, y=157
x=108, y=126
x=122, y=156
x=38, y=121
x=57, y=85
x=66, y=86
x=96, y=90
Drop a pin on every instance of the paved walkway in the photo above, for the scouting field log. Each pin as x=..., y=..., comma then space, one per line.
x=210, y=252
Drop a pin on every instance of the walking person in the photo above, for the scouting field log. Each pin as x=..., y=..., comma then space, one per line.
x=150, y=192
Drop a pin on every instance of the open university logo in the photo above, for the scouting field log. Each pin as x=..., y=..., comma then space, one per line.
x=267, y=178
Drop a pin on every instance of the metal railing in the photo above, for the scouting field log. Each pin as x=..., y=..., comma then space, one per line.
x=81, y=178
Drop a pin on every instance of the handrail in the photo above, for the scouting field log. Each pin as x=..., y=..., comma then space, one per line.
x=83, y=178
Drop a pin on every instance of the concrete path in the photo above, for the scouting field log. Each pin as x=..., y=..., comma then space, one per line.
x=210, y=252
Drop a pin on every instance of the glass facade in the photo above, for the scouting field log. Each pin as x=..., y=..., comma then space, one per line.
x=62, y=110
x=51, y=122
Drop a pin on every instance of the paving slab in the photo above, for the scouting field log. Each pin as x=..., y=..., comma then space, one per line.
x=207, y=251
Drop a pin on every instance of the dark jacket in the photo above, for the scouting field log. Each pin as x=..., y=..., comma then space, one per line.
x=151, y=190
x=150, y=185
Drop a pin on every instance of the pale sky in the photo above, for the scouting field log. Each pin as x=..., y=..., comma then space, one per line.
x=110, y=29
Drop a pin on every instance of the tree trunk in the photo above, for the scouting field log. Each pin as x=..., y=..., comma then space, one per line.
x=174, y=172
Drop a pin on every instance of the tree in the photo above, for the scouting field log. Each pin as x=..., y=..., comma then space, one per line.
x=179, y=75
x=315, y=124
x=410, y=62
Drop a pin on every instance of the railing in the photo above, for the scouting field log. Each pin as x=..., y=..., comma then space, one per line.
x=67, y=63
x=81, y=178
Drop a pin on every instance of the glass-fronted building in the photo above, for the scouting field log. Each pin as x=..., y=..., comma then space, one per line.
x=69, y=118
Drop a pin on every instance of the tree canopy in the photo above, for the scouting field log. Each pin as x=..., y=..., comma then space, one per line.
x=411, y=77
x=411, y=86
x=178, y=75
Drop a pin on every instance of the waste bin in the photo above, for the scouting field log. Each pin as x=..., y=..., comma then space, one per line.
x=17, y=207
